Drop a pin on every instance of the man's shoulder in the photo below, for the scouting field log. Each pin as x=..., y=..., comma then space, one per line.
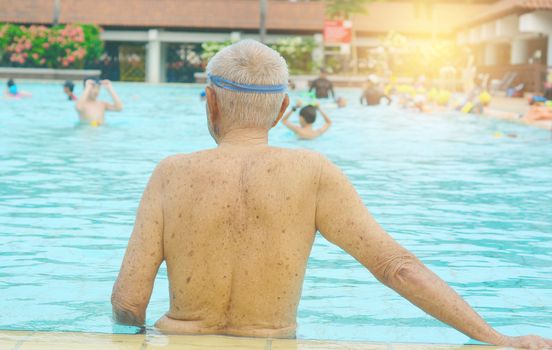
x=180, y=159
x=302, y=154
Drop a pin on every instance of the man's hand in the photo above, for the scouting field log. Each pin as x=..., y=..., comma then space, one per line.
x=117, y=104
x=89, y=84
x=526, y=342
x=107, y=84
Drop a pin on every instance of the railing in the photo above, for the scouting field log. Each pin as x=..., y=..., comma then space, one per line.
x=532, y=76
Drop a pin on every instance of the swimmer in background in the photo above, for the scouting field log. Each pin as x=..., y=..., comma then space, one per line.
x=68, y=89
x=539, y=112
x=13, y=92
x=89, y=108
x=307, y=117
x=341, y=102
x=372, y=94
x=322, y=87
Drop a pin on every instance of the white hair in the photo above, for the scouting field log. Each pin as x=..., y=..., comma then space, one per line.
x=249, y=62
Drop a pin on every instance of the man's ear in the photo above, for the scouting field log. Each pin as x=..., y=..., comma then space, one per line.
x=285, y=104
x=212, y=107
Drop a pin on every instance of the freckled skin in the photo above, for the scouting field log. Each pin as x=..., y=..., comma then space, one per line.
x=246, y=284
x=235, y=227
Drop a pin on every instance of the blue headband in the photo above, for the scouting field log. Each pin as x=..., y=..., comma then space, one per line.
x=259, y=89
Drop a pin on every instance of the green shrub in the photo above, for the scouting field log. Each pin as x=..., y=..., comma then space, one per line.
x=296, y=51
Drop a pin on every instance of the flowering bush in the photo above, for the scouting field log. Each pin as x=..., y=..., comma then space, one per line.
x=62, y=46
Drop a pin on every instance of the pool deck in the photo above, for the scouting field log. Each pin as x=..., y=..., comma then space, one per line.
x=508, y=108
x=23, y=340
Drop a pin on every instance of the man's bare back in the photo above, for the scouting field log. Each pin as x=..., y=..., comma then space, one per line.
x=239, y=226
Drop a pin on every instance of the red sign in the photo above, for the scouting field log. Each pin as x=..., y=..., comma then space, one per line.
x=338, y=32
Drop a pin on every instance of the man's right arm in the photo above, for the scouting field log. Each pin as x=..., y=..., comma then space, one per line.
x=82, y=99
x=332, y=92
x=285, y=120
x=342, y=218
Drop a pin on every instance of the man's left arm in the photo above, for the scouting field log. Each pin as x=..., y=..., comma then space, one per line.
x=352, y=228
x=144, y=255
x=117, y=104
x=327, y=124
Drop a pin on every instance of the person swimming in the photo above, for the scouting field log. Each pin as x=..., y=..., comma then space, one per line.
x=372, y=94
x=12, y=88
x=12, y=91
x=322, y=87
x=307, y=117
x=68, y=88
x=91, y=110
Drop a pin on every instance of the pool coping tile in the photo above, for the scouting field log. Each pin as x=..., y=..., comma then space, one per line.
x=29, y=340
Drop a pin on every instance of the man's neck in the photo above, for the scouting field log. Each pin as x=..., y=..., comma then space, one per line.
x=245, y=137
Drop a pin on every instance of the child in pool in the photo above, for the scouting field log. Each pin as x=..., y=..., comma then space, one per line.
x=307, y=117
x=539, y=112
x=89, y=108
x=68, y=89
x=13, y=92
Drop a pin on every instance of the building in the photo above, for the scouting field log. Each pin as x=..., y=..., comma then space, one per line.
x=160, y=40
x=512, y=39
x=508, y=38
x=422, y=22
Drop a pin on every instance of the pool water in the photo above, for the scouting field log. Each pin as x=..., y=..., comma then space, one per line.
x=473, y=204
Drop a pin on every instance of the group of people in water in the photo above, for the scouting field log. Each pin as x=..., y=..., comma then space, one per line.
x=414, y=97
x=90, y=110
x=419, y=97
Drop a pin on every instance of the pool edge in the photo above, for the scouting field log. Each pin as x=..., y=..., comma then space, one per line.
x=29, y=340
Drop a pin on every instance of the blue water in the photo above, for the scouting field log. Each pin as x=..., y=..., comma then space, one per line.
x=474, y=207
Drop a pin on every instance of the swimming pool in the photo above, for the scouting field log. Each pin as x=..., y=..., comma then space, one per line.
x=475, y=207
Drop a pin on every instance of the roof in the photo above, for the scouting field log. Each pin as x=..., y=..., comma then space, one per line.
x=535, y=4
x=189, y=14
x=504, y=8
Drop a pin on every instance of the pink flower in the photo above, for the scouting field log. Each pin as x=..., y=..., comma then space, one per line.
x=71, y=59
x=42, y=61
x=35, y=56
x=45, y=45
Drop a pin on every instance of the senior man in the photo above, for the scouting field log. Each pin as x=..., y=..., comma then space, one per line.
x=236, y=224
